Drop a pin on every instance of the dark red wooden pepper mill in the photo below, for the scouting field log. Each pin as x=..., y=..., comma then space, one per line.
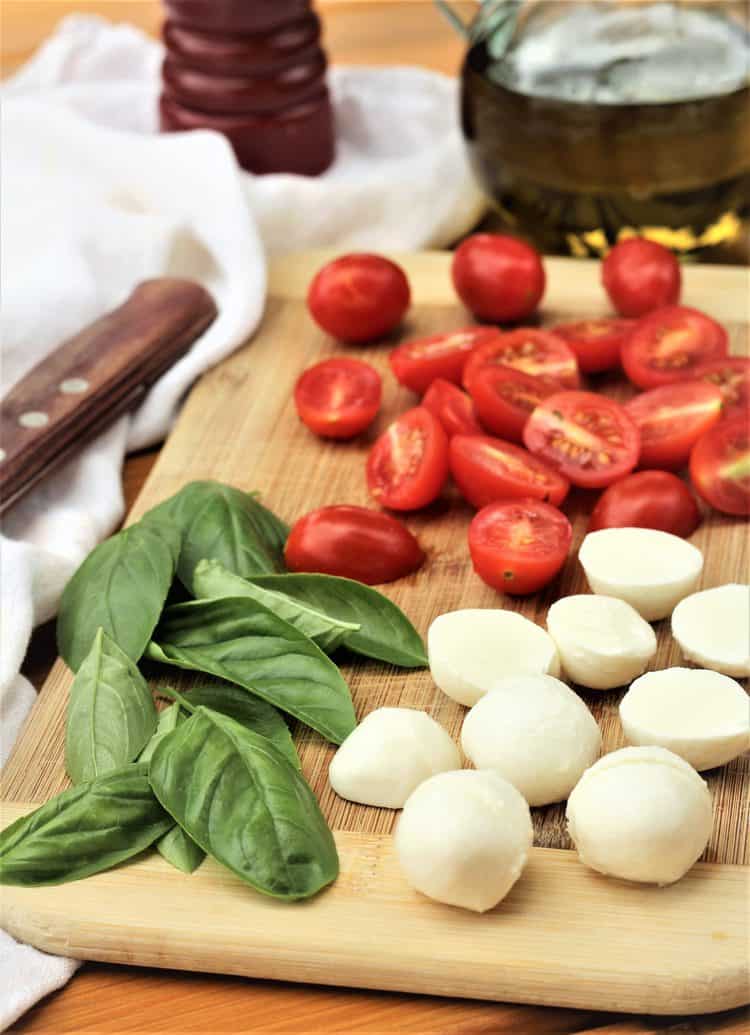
x=255, y=71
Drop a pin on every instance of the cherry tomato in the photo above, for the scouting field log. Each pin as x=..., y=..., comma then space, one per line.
x=339, y=397
x=671, y=419
x=588, y=438
x=596, y=343
x=641, y=275
x=408, y=464
x=647, y=499
x=353, y=542
x=518, y=546
x=486, y=469
x=669, y=344
x=499, y=278
x=358, y=298
x=452, y=407
x=732, y=377
x=535, y=352
x=505, y=398
x=417, y=364
x=720, y=466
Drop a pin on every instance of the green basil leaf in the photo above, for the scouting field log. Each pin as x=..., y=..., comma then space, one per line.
x=242, y=802
x=179, y=849
x=241, y=641
x=111, y=713
x=84, y=830
x=211, y=581
x=166, y=721
x=120, y=587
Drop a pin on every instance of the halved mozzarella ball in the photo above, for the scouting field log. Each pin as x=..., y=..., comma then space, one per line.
x=713, y=629
x=535, y=732
x=651, y=570
x=703, y=716
x=602, y=641
x=470, y=650
x=389, y=754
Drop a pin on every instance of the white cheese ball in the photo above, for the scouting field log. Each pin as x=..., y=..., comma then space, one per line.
x=641, y=814
x=602, y=641
x=389, y=754
x=463, y=838
x=703, y=716
x=470, y=650
x=713, y=629
x=536, y=733
x=651, y=570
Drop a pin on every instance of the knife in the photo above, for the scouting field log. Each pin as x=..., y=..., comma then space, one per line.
x=94, y=377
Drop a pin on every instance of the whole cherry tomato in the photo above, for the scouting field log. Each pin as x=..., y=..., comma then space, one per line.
x=339, y=397
x=452, y=407
x=671, y=419
x=408, y=464
x=596, y=343
x=641, y=275
x=359, y=297
x=720, y=466
x=647, y=499
x=499, y=278
x=417, y=364
x=486, y=469
x=670, y=345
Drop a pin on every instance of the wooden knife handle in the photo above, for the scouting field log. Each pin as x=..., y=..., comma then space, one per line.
x=94, y=377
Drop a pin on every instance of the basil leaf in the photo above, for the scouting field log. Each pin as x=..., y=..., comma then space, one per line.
x=84, y=830
x=242, y=802
x=120, y=587
x=211, y=581
x=111, y=713
x=166, y=721
x=243, y=642
x=179, y=849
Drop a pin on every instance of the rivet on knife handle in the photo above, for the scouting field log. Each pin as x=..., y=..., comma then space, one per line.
x=94, y=377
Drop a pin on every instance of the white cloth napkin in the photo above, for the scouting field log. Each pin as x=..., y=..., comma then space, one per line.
x=93, y=202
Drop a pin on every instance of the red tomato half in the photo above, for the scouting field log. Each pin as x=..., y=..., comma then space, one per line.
x=535, y=352
x=339, y=397
x=487, y=469
x=358, y=298
x=452, y=407
x=499, y=278
x=720, y=466
x=417, y=364
x=408, y=464
x=518, y=546
x=732, y=377
x=671, y=419
x=669, y=344
x=647, y=499
x=588, y=438
x=641, y=275
x=596, y=343
x=353, y=542
x=505, y=399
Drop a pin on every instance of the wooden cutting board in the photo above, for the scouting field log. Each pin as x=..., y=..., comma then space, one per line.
x=565, y=935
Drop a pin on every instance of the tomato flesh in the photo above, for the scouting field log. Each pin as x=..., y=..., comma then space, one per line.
x=417, y=364
x=505, y=398
x=338, y=398
x=671, y=419
x=408, y=464
x=732, y=377
x=518, y=546
x=641, y=275
x=647, y=499
x=596, y=343
x=359, y=297
x=499, y=278
x=590, y=439
x=670, y=344
x=720, y=466
x=486, y=469
x=539, y=353
x=452, y=407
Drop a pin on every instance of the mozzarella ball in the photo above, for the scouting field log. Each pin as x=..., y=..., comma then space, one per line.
x=602, y=641
x=642, y=814
x=713, y=629
x=389, y=754
x=702, y=716
x=650, y=570
x=536, y=733
x=463, y=838
x=470, y=650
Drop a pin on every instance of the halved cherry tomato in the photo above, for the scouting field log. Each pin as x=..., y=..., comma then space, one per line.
x=732, y=377
x=486, y=469
x=518, y=546
x=338, y=398
x=535, y=352
x=505, y=398
x=499, y=278
x=647, y=499
x=641, y=275
x=359, y=297
x=588, y=438
x=671, y=419
x=353, y=542
x=408, y=464
x=669, y=344
x=720, y=466
x=596, y=343
x=452, y=407
x=417, y=364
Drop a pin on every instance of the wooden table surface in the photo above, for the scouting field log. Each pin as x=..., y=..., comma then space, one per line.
x=104, y=998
